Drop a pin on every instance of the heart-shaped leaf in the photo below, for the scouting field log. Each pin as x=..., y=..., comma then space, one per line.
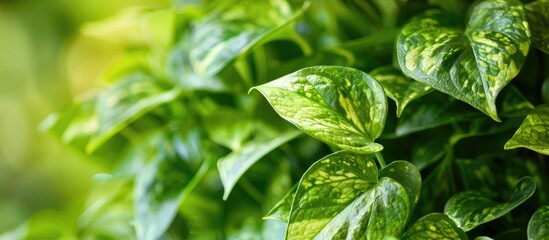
x=234, y=165
x=399, y=87
x=354, y=202
x=434, y=226
x=532, y=133
x=538, y=227
x=234, y=28
x=470, y=209
x=538, y=19
x=472, y=65
x=338, y=105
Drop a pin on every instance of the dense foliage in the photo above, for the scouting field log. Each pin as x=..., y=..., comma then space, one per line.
x=198, y=121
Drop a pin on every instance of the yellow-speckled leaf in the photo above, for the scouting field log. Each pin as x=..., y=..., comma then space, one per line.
x=342, y=197
x=434, y=226
x=399, y=87
x=338, y=105
x=533, y=133
x=470, y=209
x=538, y=18
x=538, y=227
x=471, y=64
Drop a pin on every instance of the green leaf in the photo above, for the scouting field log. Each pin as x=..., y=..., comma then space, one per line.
x=281, y=211
x=234, y=165
x=399, y=87
x=434, y=226
x=338, y=105
x=538, y=19
x=406, y=174
x=538, y=227
x=229, y=127
x=354, y=203
x=470, y=209
x=472, y=65
x=235, y=28
x=125, y=102
x=533, y=133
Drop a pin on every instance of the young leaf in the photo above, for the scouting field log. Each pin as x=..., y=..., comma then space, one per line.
x=399, y=87
x=538, y=19
x=338, y=105
x=538, y=227
x=123, y=103
x=234, y=165
x=406, y=174
x=434, y=226
x=472, y=65
x=470, y=209
x=235, y=28
x=354, y=202
x=533, y=133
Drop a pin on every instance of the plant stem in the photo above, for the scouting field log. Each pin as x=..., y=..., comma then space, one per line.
x=195, y=180
x=380, y=159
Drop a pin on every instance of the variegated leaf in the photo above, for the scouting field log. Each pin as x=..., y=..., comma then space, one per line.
x=538, y=227
x=338, y=105
x=434, y=226
x=533, y=132
x=355, y=203
x=399, y=87
x=471, y=64
x=470, y=209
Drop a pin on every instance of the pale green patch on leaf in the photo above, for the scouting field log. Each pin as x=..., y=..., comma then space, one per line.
x=399, y=87
x=234, y=28
x=354, y=202
x=338, y=105
x=470, y=209
x=281, y=211
x=234, y=165
x=533, y=133
x=538, y=227
x=434, y=226
x=538, y=19
x=125, y=102
x=472, y=65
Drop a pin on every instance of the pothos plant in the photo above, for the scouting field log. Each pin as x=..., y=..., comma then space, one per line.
x=460, y=146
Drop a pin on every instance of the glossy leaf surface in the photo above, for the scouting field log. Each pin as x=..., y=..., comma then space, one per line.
x=470, y=209
x=398, y=87
x=281, y=211
x=538, y=227
x=234, y=165
x=472, y=65
x=434, y=226
x=355, y=203
x=533, y=133
x=338, y=105
x=234, y=28
x=538, y=18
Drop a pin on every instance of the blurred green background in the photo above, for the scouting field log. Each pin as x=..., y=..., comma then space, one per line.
x=45, y=62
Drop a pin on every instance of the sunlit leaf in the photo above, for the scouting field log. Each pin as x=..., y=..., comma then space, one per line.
x=470, y=209
x=355, y=203
x=472, y=65
x=338, y=105
x=434, y=226
x=538, y=227
x=229, y=128
x=399, y=87
x=234, y=165
x=235, y=28
x=125, y=102
x=538, y=19
x=533, y=132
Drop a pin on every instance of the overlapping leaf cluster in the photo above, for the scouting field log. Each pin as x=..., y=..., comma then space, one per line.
x=182, y=137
